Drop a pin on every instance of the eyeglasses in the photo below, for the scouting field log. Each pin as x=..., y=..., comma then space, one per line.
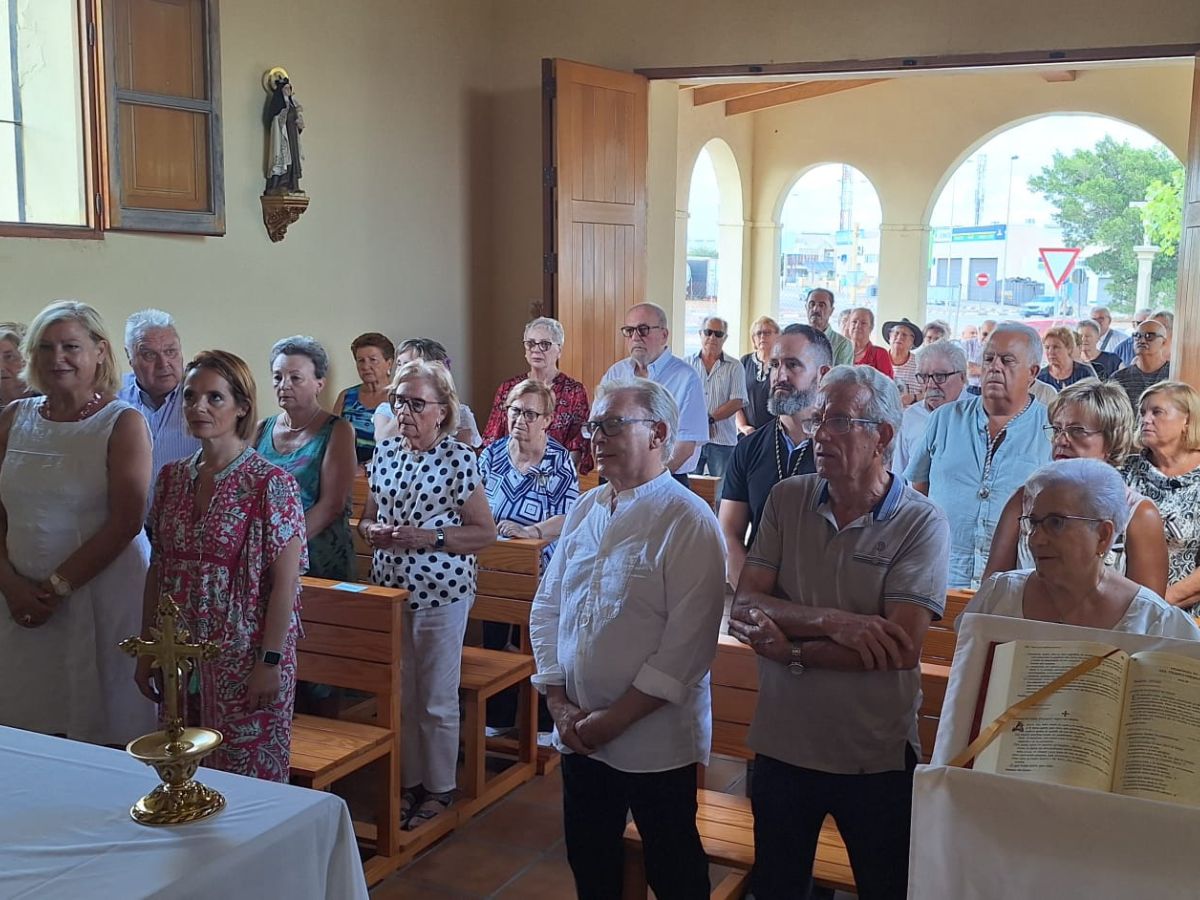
x=936, y=377
x=1073, y=432
x=1146, y=336
x=712, y=332
x=835, y=424
x=416, y=404
x=538, y=345
x=529, y=415
x=763, y=334
x=1055, y=523
x=641, y=330
x=608, y=427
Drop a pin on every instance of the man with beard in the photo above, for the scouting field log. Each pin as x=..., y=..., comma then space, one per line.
x=941, y=377
x=800, y=357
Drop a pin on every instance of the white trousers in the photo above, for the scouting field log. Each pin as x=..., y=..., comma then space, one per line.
x=431, y=665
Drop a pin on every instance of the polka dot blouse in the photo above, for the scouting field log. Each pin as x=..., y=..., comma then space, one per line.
x=427, y=490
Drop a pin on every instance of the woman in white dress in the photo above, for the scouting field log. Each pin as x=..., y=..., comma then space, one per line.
x=1091, y=420
x=1078, y=510
x=74, y=474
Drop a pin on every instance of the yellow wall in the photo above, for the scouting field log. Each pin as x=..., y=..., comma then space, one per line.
x=423, y=155
x=393, y=164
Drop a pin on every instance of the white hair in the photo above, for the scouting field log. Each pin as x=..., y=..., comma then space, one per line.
x=724, y=322
x=884, y=405
x=864, y=309
x=1096, y=489
x=557, y=334
x=652, y=397
x=142, y=321
x=1033, y=340
x=948, y=353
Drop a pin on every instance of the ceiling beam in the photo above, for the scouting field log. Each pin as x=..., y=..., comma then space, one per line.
x=714, y=93
x=1054, y=75
x=793, y=94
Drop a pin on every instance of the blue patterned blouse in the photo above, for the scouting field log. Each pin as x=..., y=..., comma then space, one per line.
x=549, y=489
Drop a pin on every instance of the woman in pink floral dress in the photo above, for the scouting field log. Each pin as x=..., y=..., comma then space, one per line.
x=229, y=547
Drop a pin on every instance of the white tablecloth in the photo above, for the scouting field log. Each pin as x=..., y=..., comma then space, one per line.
x=978, y=836
x=65, y=832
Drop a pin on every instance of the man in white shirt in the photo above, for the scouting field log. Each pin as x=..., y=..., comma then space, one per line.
x=724, y=382
x=646, y=336
x=624, y=628
x=1110, y=337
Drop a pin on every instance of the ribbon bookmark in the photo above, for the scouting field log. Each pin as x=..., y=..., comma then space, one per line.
x=989, y=734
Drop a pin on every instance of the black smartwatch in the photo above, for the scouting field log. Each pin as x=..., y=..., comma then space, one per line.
x=271, y=658
x=441, y=539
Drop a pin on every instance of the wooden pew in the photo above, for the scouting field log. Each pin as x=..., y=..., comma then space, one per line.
x=352, y=640
x=511, y=570
x=725, y=822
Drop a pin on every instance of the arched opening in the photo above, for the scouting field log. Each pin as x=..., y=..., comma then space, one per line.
x=714, y=247
x=829, y=238
x=1013, y=211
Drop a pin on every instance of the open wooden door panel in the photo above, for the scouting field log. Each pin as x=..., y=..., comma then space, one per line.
x=1185, y=358
x=594, y=188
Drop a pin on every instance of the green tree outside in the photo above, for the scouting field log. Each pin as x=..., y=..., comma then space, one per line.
x=1092, y=190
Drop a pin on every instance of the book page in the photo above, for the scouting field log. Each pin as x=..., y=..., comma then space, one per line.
x=1160, y=743
x=1071, y=738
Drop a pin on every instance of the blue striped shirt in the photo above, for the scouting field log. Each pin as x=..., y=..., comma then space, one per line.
x=167, y=427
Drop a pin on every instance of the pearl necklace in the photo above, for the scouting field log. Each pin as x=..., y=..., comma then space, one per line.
x=305, y=425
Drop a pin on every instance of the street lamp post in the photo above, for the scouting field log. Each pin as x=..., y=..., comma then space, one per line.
x=1007, y=219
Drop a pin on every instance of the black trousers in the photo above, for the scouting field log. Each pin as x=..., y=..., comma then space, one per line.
x=596, y=801
x=872, y=812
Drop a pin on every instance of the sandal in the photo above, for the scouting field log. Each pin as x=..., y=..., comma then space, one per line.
x=430, y=808
x=410, y=799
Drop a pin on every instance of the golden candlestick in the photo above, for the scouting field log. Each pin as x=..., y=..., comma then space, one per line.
x=176, y=752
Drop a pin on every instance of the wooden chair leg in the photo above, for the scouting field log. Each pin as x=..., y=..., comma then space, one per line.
x=387, y=806
x=635, y=886
x=527, y=708
x=474, y=745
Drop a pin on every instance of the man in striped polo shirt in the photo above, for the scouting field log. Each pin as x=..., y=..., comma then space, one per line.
x=724, y=394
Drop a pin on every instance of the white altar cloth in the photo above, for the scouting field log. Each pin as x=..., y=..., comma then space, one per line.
x=65, y=832
x=978, y=836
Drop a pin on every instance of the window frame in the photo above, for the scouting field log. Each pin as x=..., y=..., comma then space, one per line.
x=89, y=111
x=101, y=147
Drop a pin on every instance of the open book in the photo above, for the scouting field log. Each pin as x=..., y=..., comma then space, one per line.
x=1130, y=726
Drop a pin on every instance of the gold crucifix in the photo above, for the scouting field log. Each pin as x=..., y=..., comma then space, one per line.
x=172, y=652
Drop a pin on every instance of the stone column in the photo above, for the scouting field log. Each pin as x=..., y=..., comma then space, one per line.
x=903, y=273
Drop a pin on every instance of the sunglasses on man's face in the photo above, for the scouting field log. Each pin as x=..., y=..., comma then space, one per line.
x=712, y=332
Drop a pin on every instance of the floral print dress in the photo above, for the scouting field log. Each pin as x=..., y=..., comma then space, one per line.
x=217, y=566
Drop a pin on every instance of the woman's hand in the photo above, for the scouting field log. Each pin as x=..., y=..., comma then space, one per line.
x=263, y=687
x=509, y=529
x=408, y=537
x=148, y=679
x=379, y=536
x=29, y=603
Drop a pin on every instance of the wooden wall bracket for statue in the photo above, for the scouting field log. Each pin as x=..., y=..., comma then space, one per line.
x=280, y=211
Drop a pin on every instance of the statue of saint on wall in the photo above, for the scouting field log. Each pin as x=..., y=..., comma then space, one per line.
x=284, y=118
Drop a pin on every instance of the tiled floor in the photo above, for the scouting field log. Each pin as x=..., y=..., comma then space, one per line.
x=514, y=850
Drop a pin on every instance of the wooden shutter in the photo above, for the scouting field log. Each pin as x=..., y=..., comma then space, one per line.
x=162, y=77
x=594, y=147
x=1185, y=355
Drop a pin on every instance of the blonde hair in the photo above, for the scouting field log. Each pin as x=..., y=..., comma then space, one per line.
x=108, y=372
x=1110, y=403
x=1063, y=335
x=533, y=388
x=764, y=320
x=437, y=376
x=1185, y=399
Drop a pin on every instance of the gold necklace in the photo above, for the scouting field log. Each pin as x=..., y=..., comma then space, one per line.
x=305, y=425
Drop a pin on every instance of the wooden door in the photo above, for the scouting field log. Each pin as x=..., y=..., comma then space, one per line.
x=1185, y=355
x=594, y=185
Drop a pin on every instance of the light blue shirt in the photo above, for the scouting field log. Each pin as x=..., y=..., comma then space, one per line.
x=685, y=386
x=952, y=458
x=167, y=426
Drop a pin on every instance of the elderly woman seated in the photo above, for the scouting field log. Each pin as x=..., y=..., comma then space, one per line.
x=1078, y=510
x=1090, y=420
x=12, y=386
x=530, y=481
x=373, y=354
